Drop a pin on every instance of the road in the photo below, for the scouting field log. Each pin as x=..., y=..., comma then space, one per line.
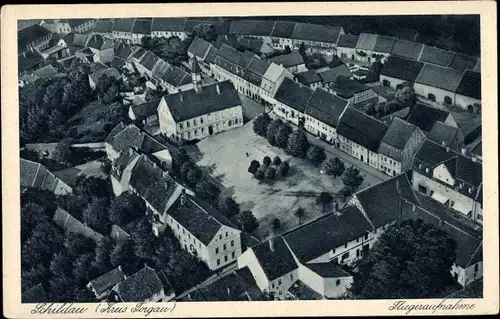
x=251, y=108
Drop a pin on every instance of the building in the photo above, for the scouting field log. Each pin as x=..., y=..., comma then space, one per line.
x=354, y=92
x=291, y=101
x=141, y=28
x=397, y=71
x=59, y=26
x=293, y=62
x=425, y=117
x=34, y=37
x=103, y=28
x=365, y=47
x=142, y=286
x=398, y=146
x=328, y=77
x=436, y=56
x=168, y=27
x=469, y=124
x=38, y=176
x=200, y=112
x=310, y=79
x=407, y=49
x=122, y=29
x=146, y=114
x=438, y=83
x=75, y=42
x=175, y=79
x=449, y=178
x=463, y=62
x=468, y=92
x=102, y=47
x=271, y=81
x=146, y=63
x=111, y=73
x=204, y=52
x=346, y=47
x=447, y=136
x=360, y=136
x=81, y=25
x=407, y=34
x=102, y=285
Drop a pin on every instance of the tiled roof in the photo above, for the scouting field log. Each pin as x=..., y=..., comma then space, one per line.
x=461, y=62
x=99, y=42
x=76, y=22
x=346, y=88
x=425, y=116
x=468, y=123
x=132, y=136
x=384, y=44
x=442, y=132
x=230, y=54
x=293, y=94
x=251, y=27
x=46, y=71
x=124, y=25
x=103, y=27
x=168, y=24
x=35, y=294
x=140, y=286
x=361, y=129
x=117, y=63
x=176, y=76
x=398, y=134
x=107, y=280
x=436, y=56
x=440, y=77
x=142, y=26
x=367, y=41
x=246, y=58
x=212, y=53
x=469, y=171
x=160, y=68
x=328, y=232
x=308, y=77
x=111, y=72
x=28, y=60
x=400, y=68
x=149, y=60
x=30, y=34
x=283, y=29
x=29, y=172
x=432, y=154
x=381, y=201
x=189, y=104
x=325, y=107
x=331, y=75
x=328, y=270
x=199, y=47
x=288, y=60
x=348, y=41
x=316, y=32
x=407, y=49
x=258, y=66
x=470, y=85
x=145, y=109
x=109, y=139
x=276, y=262
x=70, y=224
x=406, y=34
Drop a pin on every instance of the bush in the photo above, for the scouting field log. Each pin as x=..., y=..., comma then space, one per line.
x=297, y=144
x=283, y=169
x=346, y=191
x=259, y=174
x=277, y=161
x=282, y=135
x=270, y=173
x=260, y=124
x=316, y=154
x=266, y=161
x=247, y=221
x=254, y=166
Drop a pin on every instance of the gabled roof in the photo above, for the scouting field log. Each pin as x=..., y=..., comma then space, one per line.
x=384, y=44
x=406, y=34
x=107, y=280
x=132, y=136
x=308, y=77
x=102, y=26
x=30, y=172
x=176, y=76
x=425, y=116
x=30, y=34
x=293, y=94
x=124, y=25
x=325, y=107
x=468, y=123
x=140, y=286
x=258, y=66
x=283, y=29
x=469, y=171
x=149, y=60
x=407, y=49
x=199, y=47
x=274, y=72
x=328, y=232
x=111, y=72
x=145, y=109
x=288, y=60
x=442, y=132
x=403, y=69
x=160, y=68
x=470, y=85
x=436, y=56
x=432, y=154
x=117, y=63
x=328, y=270
x=142, y=26
x=47, y=71
x=98, y=42
x=398, y=134
x=230, y=54
x=462, y=62
x=77, y=22
x=316, y=32
x=168, y=24
x=348, y=41
x=440, y=77
x=367, y=41
x=331, y=75
x=189, y=104
x=346, y=88
x=251, y=27
x=212, y=53
x=277, y=262
x=28, y=60
x=361, y=129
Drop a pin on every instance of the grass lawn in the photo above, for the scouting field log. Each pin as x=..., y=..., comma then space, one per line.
x=224, y=156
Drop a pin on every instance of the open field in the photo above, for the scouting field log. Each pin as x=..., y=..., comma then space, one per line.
x=224, y=156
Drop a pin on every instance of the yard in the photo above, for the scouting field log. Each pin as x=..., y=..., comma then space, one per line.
x=224, y=156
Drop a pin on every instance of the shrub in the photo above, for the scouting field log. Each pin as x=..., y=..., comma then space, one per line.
x=282, y=135
x=270, y=173
x=283, y=169
x=277, y=161
x=259, y=174
x=297, y=144
x=316, y=154
x=254, y=166
x=266, y=161
x=346, y=191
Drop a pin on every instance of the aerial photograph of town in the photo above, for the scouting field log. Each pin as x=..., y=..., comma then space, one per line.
x=192, y=159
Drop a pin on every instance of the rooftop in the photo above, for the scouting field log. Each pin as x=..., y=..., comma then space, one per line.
x=316, y=32
x=440, y=77
x=168, y=24
x=293, y=94
x=407, y=49
x=348, y=41
x=328, y=270
x=142, y=26
x=436, y=56
x=308, y=77
x=283, y=29
x=347, y=88
x=325, y=107
x=367, y=41
x=331, y=75
x=400, y=68
x=288, y=60
x=140, y=286
x=398, y=134
x=442, y=132
x=29, y=35
x=470, y=85
x=277, y=262
x=124, y=25
x=361, y=129
x=384, y=44
x=425, y=116
x=107, y=280
x=462, y=62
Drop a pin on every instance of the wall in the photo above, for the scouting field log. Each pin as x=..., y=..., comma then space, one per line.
x=388, y=165
x=312, y=279
x=283, y=283
x=347, y=53
x=441, y=173
x=248, y=259
x=167, y=123
x=424, y=90
x=411, y=148
x=469, y=273
x=332, y=290
x=225, y=236
x=319, y=128
x=393, y=81
x=464, y=101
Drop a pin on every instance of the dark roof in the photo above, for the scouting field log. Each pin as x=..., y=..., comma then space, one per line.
x=142, y=26
x=308, y=77
x=149, y=60
x=111, y=72
x=469, y=171
x=288, y=60
x=348, y=41
x=407, y=49
x=117, y=63
x=30, y=34
x=168, y=24
x=76, y=22
x=35, y=294
x=316, y=32
x=124, y=25
x=328, y=270
x=293, y=94
x=251, y=27
x=433, y=154
x=176, y=76
x=440, y=77
x=29, y=172
x=28, y=60
x=107, y=280
x=477, y=68
x=301, y=291
x=189, y=104
x=361, y=129
x=145, y=109
x=400, y=68
x=346, y=88
x=467, y=122
x=109, y=139
x=47, y=71
x=283, y=29
x=230, y=54
x=436, y=56
x=470, y=85
x=384, y=44
x=103, y=26
x=277, y=262
x=398, y=134
x=331, y=75
x=160, y=68
x=462, y=62
x=212, y=53
x=328, y=232
x=132, y=136
x=258, y=66
x=325, y=107
x=199, y=47
x=425, y=116
x=381, y=201
x=442, y=132
x=98, y=42
x=140, y=286
x=367, y=41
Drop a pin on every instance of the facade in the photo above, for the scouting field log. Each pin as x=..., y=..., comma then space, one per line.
x=447, y=136
x=354, y=92
x=59, y=26
x=271, y=81
x=34, y=37
x=397, y=71
x=81, y=25
x=168, y=27
x=437, y=83
x=293, y=62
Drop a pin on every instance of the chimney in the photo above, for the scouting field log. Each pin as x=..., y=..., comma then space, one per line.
x=180, y=95
x=464, y=151
x=183, y=196
x=217, y=88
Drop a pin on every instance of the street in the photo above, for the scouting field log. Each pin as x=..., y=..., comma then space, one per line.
x=251, y=108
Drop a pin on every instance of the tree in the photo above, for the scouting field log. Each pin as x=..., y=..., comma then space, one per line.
x=102, y=259
x=125, y=208
x=374, y=72
x=73, y=204
x=260, y=124
x=270, y=173
x=206, y=31
x=228, y=206
x=272, y=130
x=179, y=157
x=277, y=160
x=266, y=161
x=282, y=169
x=406, y=96
x=254, y=166
x=352, y=178
x=62, y=152
x=297, y=144
x=334, y=167
x=143, y=238
x=193, y=176
x=247, y=221
x=316, y=154
x=411, y=259
x=287, y=50
x=92, y=187
x=83, y=271
x=61, y=265
x=300, y=213
x=83, y=294
x=259, y=174
x=302, y=50
x=324, y=199
x=35, y=275
x=123, y=253
x=207, y=190
x=147, y=42
x=282, y=135
x=77, y=244
x=61, y=289
x=346, y=191
x=185, y=169
x=31, y=215
x=95, y=215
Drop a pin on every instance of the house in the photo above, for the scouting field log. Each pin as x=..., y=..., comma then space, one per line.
x=360, y=135
x=291, y=101
x=310, y=79
x=327, y=279
x=203, y=231
x=122, y=29
x=401, y=141
x=29, y=61
x=59, y=26
x=475, y=149
x=397, y=71
x=316, y=38
x=293, y=62
x=103, y=48
x=81, y=25
x=447, y=136
x=407, y=49
x=75, y=42
x=450, y=178
x=438, y=83
x=143, y=286
x=365, y=47
x=141, y=28
x=354, y=92
x=38, y=176
x=463, y=62
x=34, y=37
x=145, y=113
x=200, y=112
x=47, y=72
x=385, y=94
x=346, y=47
x=328, y=77
x=425, y=116
x=111, y=73
x=436, y=56
x=146, y=64
x=271, y=81
x=383, y=48
x=103, y=28
x=55, y=52
x=70, y=224
x=469, y=124
x=468, y=92
x=35, y=294
x=203, y=51
x=102, y=285
x=168, y=27
x=175, y=79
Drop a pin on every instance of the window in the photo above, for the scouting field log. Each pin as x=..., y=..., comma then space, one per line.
x=476, y=267
x=194, y=122
x=345, y=246
x=226, y=234
x=272, y=285
x=183, y=232
x=189, y=134
x=225, y=246
x=345, y=256
x=357, y=240
x=196, y=132
x=201, y=120
x=187, y=124
x=225, y=258
x=216, y=250
x=220, y=236
x=337, y=282
x=232, y=243
x=279, y=281
x=447, y=100
x=233, y=254
x=470, y=190
x=427, y=170
x=202, y=130
x=218, y=262
x=366, y=236
x=177, y=226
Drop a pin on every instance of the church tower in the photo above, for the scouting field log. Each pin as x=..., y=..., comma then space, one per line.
x=196, y=75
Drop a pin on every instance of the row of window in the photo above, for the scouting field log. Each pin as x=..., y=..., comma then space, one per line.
x=226, y=259
x=223, y=246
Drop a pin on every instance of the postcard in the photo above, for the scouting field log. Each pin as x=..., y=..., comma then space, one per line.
x=249, y=159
